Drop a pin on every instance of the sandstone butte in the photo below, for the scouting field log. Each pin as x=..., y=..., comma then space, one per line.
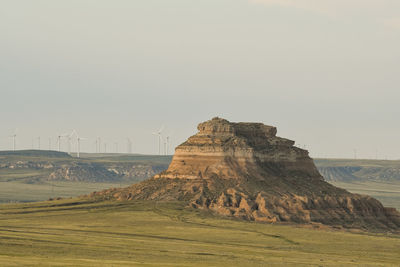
x=244, y=170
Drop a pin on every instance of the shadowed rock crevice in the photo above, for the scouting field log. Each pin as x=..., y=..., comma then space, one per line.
x=244, y=170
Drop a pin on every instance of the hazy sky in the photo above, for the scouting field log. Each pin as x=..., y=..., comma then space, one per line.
x=326, y=73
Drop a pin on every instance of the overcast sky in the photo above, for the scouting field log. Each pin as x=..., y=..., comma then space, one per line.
x=326, y=73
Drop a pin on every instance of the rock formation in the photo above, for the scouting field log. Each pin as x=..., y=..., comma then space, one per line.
x=244, y=170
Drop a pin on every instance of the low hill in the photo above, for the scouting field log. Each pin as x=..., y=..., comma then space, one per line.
x=33, y=166
x=34, y=153
x=348, y=170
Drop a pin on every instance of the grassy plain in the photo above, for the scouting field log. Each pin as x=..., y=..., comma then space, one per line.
x=23, y=192
x=83, y=233
x=386, y=192
x=77, y=232
x=322, y=162
x=377, y=178
x=16, y=184
x=26, y=184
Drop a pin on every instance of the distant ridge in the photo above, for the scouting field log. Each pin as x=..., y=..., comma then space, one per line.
x=346, y=170
x=36, y=153
x=32, y=166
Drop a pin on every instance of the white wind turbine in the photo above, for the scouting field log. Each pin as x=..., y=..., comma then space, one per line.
x=59, y=137
x=99, y=144
x=14, y=137
x=167, y=143
x=129, y=145
x=96, y=145
x=69, y=141
x=158, y=134
x=78, y=139
x=69, y=137
x=116, y=147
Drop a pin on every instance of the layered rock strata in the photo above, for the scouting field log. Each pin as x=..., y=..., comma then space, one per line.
x=244, y=170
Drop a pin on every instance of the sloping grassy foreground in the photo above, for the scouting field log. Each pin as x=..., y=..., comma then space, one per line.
x=82, y=233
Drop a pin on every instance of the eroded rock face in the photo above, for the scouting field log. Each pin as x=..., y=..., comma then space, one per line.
x=245, y=170
x=231, y=150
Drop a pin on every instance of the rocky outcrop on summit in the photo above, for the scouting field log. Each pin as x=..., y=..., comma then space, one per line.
x=244, y=170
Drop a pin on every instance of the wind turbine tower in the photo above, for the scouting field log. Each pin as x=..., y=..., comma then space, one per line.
x=99, y=144
x=69, y=144
x=14, y=137
x=79, y=145
x=78, y=139
x=129, y=146
x=59, y=137
x=116, y=147
x=167, y=143
x=59, y=143
x=158, y=133
x=167, y=149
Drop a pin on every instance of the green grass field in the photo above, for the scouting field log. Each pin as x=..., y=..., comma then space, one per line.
x=22, y=192
x=77, y=232
x=15, y=186
x=26, y=183
x=20, y=175
x=80, y=233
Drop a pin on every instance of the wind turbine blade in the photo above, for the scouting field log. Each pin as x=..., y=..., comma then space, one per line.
x=74, y=132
